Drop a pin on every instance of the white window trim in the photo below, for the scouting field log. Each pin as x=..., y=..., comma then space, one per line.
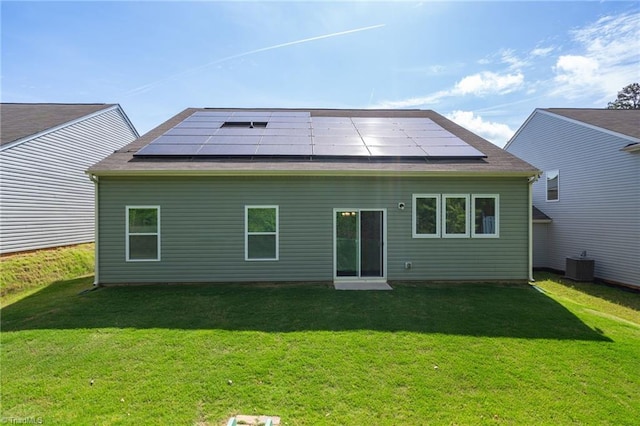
x=546, y=180
x=246, y=233
x=128, y=234
x=444, y=215
x=414, y=216
x=496, y=198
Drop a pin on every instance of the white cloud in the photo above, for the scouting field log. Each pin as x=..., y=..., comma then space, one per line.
x=417, y=101
x=488, y=82
x=607, y=61
x=571, y=69
x=542, y=51
x=480, y=84
x=497, y=133
x=508, y=56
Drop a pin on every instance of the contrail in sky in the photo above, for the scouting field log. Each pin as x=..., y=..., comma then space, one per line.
x=149, y=86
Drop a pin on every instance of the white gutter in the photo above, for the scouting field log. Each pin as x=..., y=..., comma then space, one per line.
x=532, y=180
x=96, y=206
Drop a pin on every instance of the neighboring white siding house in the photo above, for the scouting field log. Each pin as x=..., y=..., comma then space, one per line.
x=590, y=188
x=46, y=199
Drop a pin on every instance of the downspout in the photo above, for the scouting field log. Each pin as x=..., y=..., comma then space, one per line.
x=532, y=180
x=96, y=205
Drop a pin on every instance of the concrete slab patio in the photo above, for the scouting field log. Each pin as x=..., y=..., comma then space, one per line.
x=362, y=286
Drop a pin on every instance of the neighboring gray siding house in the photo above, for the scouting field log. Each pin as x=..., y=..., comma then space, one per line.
x=232, y=195
x=590, y=188
x=46, y=199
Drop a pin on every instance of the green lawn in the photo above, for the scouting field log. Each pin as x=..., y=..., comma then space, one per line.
x=431, y=354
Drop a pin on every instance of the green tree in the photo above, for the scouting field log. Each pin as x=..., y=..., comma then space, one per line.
x=628, y=98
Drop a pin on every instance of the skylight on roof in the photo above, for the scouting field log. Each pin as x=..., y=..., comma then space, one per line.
x=245, y=124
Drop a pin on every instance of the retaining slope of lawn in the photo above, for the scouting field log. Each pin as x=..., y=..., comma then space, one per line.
x=463, y=354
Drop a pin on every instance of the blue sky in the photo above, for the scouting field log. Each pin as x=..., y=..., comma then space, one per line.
x=485, y=65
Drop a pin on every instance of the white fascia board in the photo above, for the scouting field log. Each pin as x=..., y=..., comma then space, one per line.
x=347, y=173
x=126, y=119
x=67, y=124
x=517, y=133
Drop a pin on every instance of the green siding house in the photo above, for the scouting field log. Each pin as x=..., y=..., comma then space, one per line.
x=359, y=196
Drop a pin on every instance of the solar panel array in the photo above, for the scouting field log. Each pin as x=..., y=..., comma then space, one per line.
x=298, y=134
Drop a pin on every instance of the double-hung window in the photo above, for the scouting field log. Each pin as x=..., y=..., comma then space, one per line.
x=455, y=215
x=486, y=216
x=426, y=216
x=143, y=233
x=261, y=232
x=553, y=185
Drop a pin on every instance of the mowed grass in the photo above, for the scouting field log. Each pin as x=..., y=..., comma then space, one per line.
x=419, y=355
x=24, y=273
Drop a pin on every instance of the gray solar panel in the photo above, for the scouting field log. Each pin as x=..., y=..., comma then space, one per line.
x=289, y=125
x=228, y=150
x=431, y=133
x=372, y=120
x=382, y=133
x=332, y=121
x=234, y=140
x=285, y=140
x=338, y=140
x=200, y=124
x=452, y=151
x=180, y=140
x=439, y=141
x=289, y=120
x=337, y=131
x=207, y=119
x=296, y=133
x=241, y=131
x=295, y=150
x=341, y=150
x=212, y=114
x=387, y=141
x=161, y=149
x=396, y=151
x=188, y=131
x=290, y=114
x=287, y=132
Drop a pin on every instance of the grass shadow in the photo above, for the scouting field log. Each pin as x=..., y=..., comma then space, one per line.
x=474, y=310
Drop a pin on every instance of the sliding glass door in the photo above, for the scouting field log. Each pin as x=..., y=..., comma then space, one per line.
x=359, y=243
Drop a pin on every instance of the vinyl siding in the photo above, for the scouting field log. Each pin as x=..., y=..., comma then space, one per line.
x=202, y=228
x=46, y=199
x=599, y=202
x=540, y=245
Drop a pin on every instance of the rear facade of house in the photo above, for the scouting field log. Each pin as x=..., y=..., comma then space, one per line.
x=320, y=214
x=590, y=188
x=45, y=197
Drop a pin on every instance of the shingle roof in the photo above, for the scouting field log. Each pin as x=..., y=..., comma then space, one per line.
x=624, y=121
x=538, y=215
x=18, y=120
x=497, y=162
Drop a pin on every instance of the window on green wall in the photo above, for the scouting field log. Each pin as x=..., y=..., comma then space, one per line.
x=261, y=232
x=455, y=215
x=143, y=233
x=426, y=215
x=486, y=215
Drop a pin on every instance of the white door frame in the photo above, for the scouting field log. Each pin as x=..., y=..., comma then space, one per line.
x=358, y=278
